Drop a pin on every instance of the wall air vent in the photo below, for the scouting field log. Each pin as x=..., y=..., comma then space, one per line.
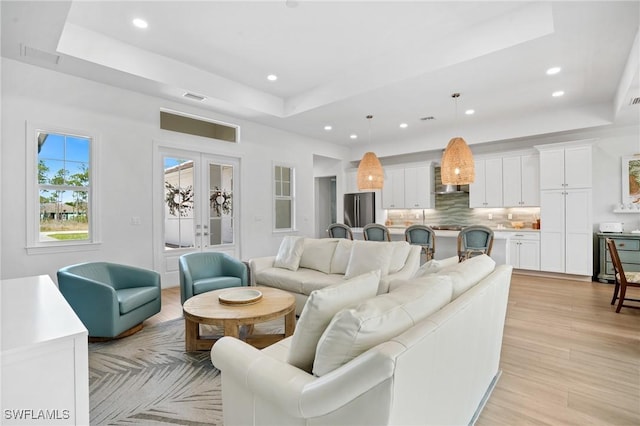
x=199, y=126
x=635, y=101
x=194, y=97
x=40, y=55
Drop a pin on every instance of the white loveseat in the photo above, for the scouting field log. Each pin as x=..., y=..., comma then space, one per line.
x=303, y=265
x=437, y=371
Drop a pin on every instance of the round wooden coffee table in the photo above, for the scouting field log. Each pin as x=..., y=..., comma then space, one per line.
x=206, y=308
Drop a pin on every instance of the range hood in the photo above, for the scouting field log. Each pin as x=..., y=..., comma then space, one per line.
x=441, y=189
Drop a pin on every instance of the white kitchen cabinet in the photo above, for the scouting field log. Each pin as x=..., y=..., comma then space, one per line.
x=408, y=187
x=486, y=190
x=566, y=233
x=565, y=167
x=45, y=370
x=566, y=224
x=521, y=181
x=393, y=189
x=418, y=187
x=524, y=250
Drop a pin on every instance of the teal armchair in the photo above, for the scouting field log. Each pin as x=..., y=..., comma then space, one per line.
x=207, y=271
x=110, y=299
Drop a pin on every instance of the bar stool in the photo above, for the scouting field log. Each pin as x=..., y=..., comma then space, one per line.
x=424, y=236
x=376, y=232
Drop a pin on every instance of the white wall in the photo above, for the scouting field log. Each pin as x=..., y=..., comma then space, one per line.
x=127, y=124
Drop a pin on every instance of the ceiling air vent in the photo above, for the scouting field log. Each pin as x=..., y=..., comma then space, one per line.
x=431, y=117
x=194, y=97
x=635, y=101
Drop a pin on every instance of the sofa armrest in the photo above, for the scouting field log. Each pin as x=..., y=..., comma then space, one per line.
x=293, y=390
x=259, y=263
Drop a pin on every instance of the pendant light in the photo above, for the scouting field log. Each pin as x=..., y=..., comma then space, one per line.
x=370, y=172
x=457, y=166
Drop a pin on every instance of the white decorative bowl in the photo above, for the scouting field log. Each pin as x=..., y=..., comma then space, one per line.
x=240, y=296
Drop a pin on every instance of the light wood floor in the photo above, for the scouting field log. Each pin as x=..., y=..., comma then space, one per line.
x=567, y=357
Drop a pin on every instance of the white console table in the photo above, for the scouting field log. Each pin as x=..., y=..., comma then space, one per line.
x=45, y=365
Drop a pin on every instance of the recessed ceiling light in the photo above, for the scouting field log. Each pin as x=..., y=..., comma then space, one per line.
x=470, y=111
x=328, y=127
x=353, y=136
x=553, y=70
x=557, y=93
x=140, y=23
x=272, y=77
x=403, y=125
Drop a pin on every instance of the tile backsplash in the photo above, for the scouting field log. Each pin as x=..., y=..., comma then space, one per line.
x=453, y=209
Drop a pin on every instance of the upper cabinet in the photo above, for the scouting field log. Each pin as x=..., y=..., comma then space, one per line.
x=566, y=167
x=418, y=187
x=486, y=190
x=409, y=187
x=521, y=181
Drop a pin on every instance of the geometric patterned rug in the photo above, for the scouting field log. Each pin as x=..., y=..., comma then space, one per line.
x=149, y=379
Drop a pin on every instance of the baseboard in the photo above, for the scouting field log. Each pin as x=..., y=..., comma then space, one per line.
x=485, y=398
x=556, y=275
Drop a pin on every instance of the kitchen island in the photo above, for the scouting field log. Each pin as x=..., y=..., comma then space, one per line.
x=447, y=241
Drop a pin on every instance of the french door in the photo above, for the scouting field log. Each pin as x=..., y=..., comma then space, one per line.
x=195, y=207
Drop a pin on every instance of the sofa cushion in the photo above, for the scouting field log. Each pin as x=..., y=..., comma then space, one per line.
x=368, y=256
x=320, y=307
x=399, y=255
x=433, y=266
x=353, y=331
x=465, y=275
x=130, y=299
x=319, y=281
x=341, y=256
x=289, y=253
x=318, y=253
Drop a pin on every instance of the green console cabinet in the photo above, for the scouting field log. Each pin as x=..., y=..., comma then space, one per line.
x=628, y=246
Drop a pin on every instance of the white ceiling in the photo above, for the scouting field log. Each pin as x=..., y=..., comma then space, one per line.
x=340, y=61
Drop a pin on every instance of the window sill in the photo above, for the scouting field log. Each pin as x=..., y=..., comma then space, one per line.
x=62, y=248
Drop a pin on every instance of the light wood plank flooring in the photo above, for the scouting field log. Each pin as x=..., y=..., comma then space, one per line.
x=567, y=357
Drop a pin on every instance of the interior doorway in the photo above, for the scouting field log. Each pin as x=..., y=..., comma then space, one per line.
x=326, y=211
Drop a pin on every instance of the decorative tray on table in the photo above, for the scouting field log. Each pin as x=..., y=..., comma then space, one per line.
x=240, y=296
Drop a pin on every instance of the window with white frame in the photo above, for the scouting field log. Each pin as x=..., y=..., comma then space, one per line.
x=62, y=203
x=284, y=198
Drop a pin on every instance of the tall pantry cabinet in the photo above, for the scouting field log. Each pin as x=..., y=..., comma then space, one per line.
x=566, y=229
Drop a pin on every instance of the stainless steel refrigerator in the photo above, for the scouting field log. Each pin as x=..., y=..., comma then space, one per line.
x=359, y=209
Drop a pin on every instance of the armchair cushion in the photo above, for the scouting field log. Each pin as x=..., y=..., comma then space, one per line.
x=132, y=298
x=321, y=306
x=215, y=283
x=354, y=331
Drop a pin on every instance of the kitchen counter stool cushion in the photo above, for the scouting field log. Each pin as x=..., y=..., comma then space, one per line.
x=320, y=308
x=353, y=331
x=289, y=253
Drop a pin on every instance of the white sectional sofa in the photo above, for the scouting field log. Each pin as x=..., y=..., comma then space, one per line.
x=303, y=265
x=425, y=353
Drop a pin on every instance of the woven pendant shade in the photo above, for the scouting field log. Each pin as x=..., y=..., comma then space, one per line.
x=370, y=173
x=457, y=167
